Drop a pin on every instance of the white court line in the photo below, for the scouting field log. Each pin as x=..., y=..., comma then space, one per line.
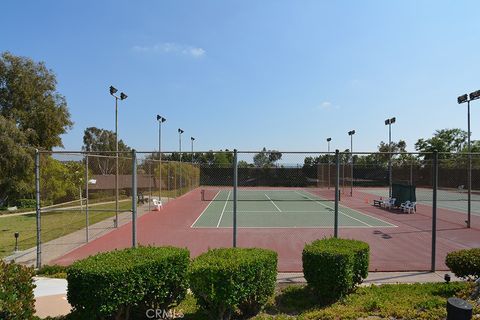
x=338, y=210
x=315, y=227
x=273, y=203
x=205, y=209
x=375, y=218
x=223, y=211
x=287, y=212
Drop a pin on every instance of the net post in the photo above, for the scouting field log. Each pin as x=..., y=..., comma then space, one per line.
x=87, y=222
x=337, y=191
x=37, y=209
x=235, y=185
x=434, y=210
x=134, y=198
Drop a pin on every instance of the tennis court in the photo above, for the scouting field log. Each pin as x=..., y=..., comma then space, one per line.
x=296, y=208
x=455, y=200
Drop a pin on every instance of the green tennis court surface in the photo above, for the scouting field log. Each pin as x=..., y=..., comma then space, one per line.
x=280, y=209
x=454, y=200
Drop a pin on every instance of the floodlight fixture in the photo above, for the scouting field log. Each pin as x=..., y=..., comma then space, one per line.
x=475, y=95
x=192, y=138
x=329, y=139
x=113, y=90
x=351, y=132
x=160, y=118
x=462, y=98
x=180, y=131
x=123, y=96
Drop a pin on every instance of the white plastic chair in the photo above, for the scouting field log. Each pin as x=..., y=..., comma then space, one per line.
x=390, y=203
x=157, y=203
x=404, y=205
x=410, y=207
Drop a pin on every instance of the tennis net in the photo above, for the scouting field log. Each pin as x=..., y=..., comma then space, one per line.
x=297, y=194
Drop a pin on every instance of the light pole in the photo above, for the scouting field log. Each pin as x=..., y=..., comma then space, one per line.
x=328, y=157
x=123, y=96
x=192, y=139
x=351, y=133
x=462, y=99
x=180, y=131
x=160, y=120
x=389, y=123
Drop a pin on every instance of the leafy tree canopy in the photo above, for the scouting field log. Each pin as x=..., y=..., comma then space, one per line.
x=29, y=97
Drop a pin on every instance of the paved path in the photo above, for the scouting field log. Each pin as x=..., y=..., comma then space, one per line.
x=56, y=248
x=50, y=294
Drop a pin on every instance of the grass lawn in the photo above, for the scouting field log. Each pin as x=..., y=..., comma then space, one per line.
x=54, y=225
x=400, y=301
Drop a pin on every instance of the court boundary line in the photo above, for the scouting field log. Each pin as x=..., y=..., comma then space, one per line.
x=223, y=210
x=271, y=202
x=365, y=214
x=368, y=225
x=316, y=227
x=201, y=214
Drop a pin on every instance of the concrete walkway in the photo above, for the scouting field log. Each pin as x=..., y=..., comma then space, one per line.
x=50, y=294
x=57, y=248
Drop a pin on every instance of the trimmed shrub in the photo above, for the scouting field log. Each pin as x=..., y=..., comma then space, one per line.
x=16, y=291
x=26, y=203
x=52, y=271
x=464, y=263
x=333, y=267
x=233, y=281
x=122, y=282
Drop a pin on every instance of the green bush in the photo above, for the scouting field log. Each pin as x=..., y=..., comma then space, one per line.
x=26, y=203
x=233, y=280
x=333, y=267
x=120, y=283
x=464, y=263
x=16, y=292
x=53, y=271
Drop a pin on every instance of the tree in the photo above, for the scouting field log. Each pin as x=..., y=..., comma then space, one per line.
x=266, y=158
x=96, y=139
x=29, y=97
x=16, y=163
x=445, y=141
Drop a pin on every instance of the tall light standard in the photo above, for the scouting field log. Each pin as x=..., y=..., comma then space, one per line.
x=389, y=123
x=328, y=157
x=192, y=139
x=462, y=99
x=123, y=96
x=180, y=131
x=351, y=133
x=160, y=120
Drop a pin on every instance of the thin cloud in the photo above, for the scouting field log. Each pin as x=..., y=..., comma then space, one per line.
x=171, y=48
x=327, y=105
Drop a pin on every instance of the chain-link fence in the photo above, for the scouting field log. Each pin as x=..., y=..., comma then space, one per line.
x=411, y=208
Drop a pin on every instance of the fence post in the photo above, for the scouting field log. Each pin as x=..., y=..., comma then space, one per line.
x=150, y=175
x=235, y=183
x=134, y=198
x=87, y=222
x=434, y=210
x=469, y=182
x=337, y=191
x=37, y=208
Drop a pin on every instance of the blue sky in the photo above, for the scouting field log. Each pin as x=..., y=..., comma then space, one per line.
x=247, y=74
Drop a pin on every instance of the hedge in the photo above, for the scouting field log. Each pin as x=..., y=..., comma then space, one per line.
x=333, y=267
x=233, y=281
x=464, y=263
x=16, y=291
x=122, y=282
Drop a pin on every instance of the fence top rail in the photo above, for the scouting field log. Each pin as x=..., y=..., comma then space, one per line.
x=76, y=152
